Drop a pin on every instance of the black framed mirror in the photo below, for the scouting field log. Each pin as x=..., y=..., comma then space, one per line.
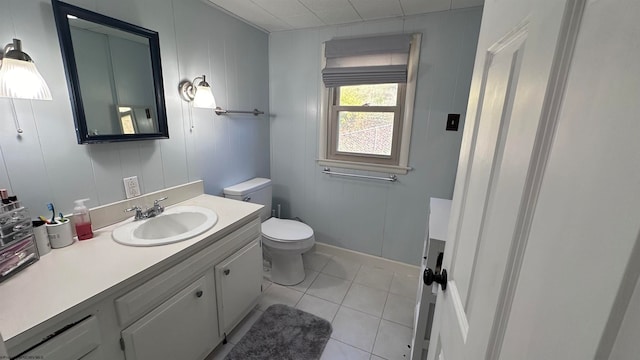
x=114, y=76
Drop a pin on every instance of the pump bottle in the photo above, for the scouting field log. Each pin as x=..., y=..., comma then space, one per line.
x=82, y=220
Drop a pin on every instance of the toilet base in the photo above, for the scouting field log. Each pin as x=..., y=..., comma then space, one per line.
x=286, y=268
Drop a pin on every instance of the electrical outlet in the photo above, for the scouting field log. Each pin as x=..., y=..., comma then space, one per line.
x=131, y=187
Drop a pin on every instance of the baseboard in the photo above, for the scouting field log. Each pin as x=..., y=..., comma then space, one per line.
x=369, y=260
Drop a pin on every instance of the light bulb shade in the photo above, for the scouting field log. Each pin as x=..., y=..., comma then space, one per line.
x=21, y=80
x=204, y=97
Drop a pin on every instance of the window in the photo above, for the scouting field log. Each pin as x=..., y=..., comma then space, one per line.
x=368, y=102
x=365, y=122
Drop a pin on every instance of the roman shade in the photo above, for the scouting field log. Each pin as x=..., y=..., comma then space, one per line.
x=366, y=60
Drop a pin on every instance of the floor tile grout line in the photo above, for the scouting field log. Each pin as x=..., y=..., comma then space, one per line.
x=354, y=277
x=298, y=302
x=397, y=323
x=362, y=311
x=361, y=283
x=326, y=263
x=345, y=294
x=334, y=276
x=401, y=295
x=385, y=306
x=379, y=324
x=314, y=280
x=372, y=354
x=376, y=337
x=371, y=287
x=355, y=347
x=370, y=314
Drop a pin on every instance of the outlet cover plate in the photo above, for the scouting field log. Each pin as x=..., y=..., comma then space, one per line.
x=131, y=187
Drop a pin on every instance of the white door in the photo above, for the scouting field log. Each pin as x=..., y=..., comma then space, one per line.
x=543, y=251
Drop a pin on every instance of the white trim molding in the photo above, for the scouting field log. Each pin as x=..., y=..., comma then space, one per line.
x=407, y=119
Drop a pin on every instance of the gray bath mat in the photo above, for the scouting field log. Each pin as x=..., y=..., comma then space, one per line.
x=283, y=333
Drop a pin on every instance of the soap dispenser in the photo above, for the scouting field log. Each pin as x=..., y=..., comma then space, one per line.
x=82, y=220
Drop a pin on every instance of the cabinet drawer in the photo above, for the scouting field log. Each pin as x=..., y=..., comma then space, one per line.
x=140, y=301
x=73, y=344
x=183, y=327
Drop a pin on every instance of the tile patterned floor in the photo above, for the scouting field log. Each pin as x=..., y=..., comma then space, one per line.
x=371, y=309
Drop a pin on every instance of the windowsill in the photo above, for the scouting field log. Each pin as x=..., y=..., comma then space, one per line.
x=390, y=169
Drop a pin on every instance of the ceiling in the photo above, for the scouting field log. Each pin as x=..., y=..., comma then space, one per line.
x=278, y=15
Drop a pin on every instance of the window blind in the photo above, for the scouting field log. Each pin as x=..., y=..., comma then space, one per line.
x=366, y=60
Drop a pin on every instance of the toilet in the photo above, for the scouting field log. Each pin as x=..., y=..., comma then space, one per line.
x=283, y=240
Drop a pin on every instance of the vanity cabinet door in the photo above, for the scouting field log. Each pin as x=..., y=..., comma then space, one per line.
x=238, y=284
x=183, y=327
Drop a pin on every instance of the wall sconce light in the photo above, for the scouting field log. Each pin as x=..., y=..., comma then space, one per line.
x=19, y=77
x=199, y=92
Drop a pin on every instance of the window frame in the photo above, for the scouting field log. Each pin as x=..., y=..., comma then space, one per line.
x=370, y=162
x=333, y=129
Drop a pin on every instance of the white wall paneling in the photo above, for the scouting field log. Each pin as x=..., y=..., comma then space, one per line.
x=46, y=164
x=382, y=219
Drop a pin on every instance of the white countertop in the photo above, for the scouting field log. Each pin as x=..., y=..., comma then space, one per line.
x=67, y=277
x=440, y=209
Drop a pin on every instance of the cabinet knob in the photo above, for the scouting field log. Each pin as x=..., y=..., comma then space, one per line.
x=226, y=271
x=199, y=293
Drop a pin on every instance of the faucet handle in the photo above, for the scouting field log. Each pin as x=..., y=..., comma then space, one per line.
x=138, y=211
x=156, y=205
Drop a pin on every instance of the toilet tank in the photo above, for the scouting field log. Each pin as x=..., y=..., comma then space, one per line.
x=256, y=190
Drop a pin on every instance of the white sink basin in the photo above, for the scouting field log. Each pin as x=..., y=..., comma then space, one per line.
x=175, y=224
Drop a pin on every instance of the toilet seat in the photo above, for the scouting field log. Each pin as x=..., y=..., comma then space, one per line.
x=287, y=235
x=283, y=230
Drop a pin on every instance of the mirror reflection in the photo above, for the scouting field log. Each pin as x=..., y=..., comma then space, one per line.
x=116, y=78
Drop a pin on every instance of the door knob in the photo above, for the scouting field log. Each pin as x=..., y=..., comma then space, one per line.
x=429, y=278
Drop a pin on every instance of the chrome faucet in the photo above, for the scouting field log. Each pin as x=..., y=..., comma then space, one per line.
x=153, y=211
x=157, y=209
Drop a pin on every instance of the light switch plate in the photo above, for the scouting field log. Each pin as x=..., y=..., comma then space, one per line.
x=131, y=187
x=453, y=120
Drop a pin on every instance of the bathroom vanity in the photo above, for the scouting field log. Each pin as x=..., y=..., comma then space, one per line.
x=98, y=299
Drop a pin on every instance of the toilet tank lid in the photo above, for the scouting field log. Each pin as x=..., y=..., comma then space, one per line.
x=248, y=186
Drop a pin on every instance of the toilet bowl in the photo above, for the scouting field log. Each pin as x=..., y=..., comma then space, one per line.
x=286, y=241
x=283, y=240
